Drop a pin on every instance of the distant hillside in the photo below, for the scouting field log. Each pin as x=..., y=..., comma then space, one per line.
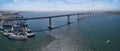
x=117, y=12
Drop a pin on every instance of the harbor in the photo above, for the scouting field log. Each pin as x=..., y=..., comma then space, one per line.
x=14, y=29
x=98, y=32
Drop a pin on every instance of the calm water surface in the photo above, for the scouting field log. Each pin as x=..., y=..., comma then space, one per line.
x=89, y=34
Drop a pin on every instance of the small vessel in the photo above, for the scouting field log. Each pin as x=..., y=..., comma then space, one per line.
x=108, y=41
x=29, y=33
x=17, y=37
x=7, y=32
x=2, y=30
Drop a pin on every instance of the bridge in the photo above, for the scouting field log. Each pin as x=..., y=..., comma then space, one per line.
x=78, y=15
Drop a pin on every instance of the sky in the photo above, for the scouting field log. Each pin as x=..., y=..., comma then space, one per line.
x=59, y=5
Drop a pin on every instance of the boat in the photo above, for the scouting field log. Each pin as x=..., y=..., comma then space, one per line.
x=15, y=29
x=108, y=41
x=29, y=33
x=17, y=37
x=7, y=32
x=2, y=30
x=20, y=32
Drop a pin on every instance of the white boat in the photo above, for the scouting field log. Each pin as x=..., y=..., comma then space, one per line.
x=17, y=37
x=7, y=32
x=108, y=41
x=2, y=30
x=29, y=33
